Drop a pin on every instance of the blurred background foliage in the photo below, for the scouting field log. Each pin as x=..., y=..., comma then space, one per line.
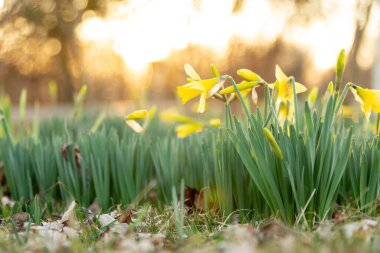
x=135, y=50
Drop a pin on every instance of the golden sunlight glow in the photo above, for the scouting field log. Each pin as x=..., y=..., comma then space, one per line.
x=145, y=31
x=2, y=4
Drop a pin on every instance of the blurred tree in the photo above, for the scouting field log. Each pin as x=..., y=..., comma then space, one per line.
x=363, y=14
x=51, y=28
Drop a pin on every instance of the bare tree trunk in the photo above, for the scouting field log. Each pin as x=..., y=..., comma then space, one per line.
x=376, y=67
x=66, y=85
x=352, y=69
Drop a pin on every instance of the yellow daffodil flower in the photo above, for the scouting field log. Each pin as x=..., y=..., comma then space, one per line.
x=135, y=115
x=173, y=116
x=284, y=87
x=368, y=99
x=243, y=87
x=196, y=86
x=131, y=119
x=250, y=83
x=185, y=130
x=189, y=125
x=215, y=122
x=283, y=112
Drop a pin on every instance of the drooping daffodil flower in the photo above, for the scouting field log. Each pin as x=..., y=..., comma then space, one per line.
x=138, y=114
x=133, y=118
x=284, y=87
x=196, y=86
x=187, y=129
x=251, y=82
x=368, y=99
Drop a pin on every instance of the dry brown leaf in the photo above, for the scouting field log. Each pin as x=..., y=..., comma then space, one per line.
x=66, y=216
x=105, y=219
x=126, y=217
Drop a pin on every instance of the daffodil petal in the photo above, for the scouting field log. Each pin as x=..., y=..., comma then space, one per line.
x=371, y=97
x=244, y=93
x=202, y=102
x=195, y=85
x=216, y=88
x=368, y=99
x=300, y=88
x=280, y=75
x=367, y=110
x=135, y=126
x=189, y=70
x=254, y=96
x=357, y=97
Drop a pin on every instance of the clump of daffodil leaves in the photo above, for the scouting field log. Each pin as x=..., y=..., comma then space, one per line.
x=288, y=133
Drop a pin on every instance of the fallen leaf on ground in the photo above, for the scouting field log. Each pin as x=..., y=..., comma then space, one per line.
x=66, y=216
x=126, y=217
x=105, y=219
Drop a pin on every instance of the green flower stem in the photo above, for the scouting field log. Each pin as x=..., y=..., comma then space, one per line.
x=271, y=106
x=229, y=119
x=232, y=81
x=267, y=101
x=341, y=99
x=292, y=80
